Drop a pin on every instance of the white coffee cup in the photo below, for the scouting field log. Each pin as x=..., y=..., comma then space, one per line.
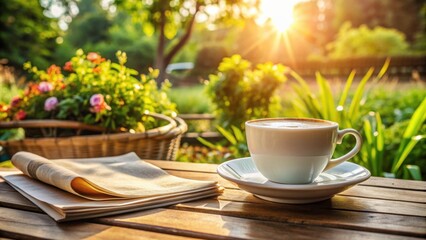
x=296, y=150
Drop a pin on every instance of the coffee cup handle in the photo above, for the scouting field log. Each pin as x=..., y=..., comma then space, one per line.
x=340, y=134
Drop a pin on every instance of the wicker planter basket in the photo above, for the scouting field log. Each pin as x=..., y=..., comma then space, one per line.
x=159, y=143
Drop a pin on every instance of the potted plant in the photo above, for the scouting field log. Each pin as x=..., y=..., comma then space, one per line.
x=94, y=100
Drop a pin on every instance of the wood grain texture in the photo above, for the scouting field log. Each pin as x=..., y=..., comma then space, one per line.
x=363, y=221
x=339, y=202
x=23, y=224
x=214, y=226
x=376, y=209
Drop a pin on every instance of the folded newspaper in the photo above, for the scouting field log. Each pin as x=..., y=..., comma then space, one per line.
x=70, y=189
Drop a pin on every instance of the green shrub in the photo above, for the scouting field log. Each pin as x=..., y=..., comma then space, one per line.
x=240, y=93
x=363, y=42
x=395, y=107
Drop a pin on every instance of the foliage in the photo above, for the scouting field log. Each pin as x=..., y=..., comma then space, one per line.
x=349, y=114
x=106, y=33
x=240, y=93
x=396, y=107
x=363, y=41
x=190, y=99
x=209, y=57
x=26, y=33
x=234, y=146
x=174, y=20
x=94, y=91
x=386, y=13
x=374, y=148
x=420, y=38
x=201, y=154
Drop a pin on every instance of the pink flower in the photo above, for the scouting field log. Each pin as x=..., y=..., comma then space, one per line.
x=96, y=100
x=20, y=115
x=95, y=58
x=50, y=104
x=15, y=101
x=45, y=87
x=98, y=103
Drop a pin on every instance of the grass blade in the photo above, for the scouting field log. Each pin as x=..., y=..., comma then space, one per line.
x=206, y=143
x=328, y=107
x=405, y=151
x=238, y=134
x=227, y=135
x=412, y=129
x=354, y=107
x=380, y=143
x=301, y=81
x=369, y=143
x=384, y=68
x=413, y=171
x=347, y=88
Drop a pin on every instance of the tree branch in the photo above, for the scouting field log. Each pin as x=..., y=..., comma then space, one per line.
x=182, y=41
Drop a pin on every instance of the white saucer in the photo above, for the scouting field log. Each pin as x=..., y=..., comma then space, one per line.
x=244, y=173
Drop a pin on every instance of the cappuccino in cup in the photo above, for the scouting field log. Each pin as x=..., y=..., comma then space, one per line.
x=296, y=150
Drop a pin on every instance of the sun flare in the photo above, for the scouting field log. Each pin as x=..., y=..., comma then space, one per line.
x=280, y=13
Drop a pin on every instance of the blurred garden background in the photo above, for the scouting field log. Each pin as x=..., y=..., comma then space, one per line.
x=359, y=63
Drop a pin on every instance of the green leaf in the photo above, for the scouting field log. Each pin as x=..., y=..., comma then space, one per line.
x=354, y=107
x=369, y=137
x=328, y=107
x=384, y=68
x=347, y=88
x=412, y=129
x=405, y=152
x=148, y=29
x=301, y=82
x=170, y=30
x=238, y=134
x=227, y=135
x=380, y=143
x=206, y=143
x=414, y=172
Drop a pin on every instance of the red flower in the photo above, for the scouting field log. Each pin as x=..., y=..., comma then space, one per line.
x=53, y=69
x=15, y=101
x=95, y=58
x=68, y=67
x=20, y=115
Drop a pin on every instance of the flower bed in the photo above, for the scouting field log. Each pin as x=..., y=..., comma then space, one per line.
x=121, y=110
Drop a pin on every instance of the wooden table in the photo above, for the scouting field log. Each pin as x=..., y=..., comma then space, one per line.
x=376, y=209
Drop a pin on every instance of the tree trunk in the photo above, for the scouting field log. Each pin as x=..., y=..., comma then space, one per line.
x=162, y=61
x=159, y=58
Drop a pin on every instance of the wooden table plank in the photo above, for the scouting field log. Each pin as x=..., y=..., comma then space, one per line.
x=22, y=224
x=382, y=208
x=339, y=202
x=363, y=221
x=16, y=200
x=307, y=214
x=214, y=226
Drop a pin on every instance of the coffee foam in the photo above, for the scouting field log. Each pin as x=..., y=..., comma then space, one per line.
x=291, y=124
